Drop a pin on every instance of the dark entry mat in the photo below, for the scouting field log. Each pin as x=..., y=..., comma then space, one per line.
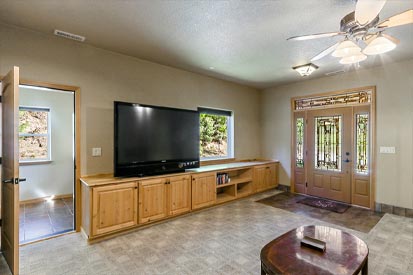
x=325, y=204
x=356, y=218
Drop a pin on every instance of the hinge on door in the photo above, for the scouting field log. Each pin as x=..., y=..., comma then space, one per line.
x=306, y=121
x=306, y=184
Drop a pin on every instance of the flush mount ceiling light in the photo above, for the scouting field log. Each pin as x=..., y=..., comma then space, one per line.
x=305, y=70
x=379, y=45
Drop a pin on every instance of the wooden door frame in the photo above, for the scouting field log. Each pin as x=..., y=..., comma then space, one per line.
x=77, y=160
x=373, y=153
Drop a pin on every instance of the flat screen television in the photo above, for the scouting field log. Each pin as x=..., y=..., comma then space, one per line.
x=152, y=140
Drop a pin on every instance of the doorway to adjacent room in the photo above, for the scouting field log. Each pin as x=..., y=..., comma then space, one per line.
x=46, y=158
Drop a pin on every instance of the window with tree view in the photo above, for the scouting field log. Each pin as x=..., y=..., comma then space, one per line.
x=34, y=134
x=215, y=133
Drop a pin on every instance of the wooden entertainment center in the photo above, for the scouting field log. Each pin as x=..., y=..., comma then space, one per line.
x=111, y=205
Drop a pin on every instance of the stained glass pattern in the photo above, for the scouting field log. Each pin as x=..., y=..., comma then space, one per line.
x=362, y=143
x=299, y=142
x=328, y=143
x=334, y=100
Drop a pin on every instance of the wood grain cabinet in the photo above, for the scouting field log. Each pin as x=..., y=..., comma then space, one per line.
x=163, y=197
x=114, y=207
x=203, y=190
x=265, y=177
x=110, y=204
x=152, y=200
x=179, y=195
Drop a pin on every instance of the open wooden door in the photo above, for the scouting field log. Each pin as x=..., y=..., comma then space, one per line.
x=10, y=170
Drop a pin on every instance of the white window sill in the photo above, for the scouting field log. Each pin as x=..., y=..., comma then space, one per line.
x=208, y=161
x=34, y=162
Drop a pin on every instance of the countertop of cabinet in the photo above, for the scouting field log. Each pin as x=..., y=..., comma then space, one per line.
x=105, y=179
x=227, y=166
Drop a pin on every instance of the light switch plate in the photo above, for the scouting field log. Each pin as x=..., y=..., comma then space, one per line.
x=96, y=152
x=387, y=150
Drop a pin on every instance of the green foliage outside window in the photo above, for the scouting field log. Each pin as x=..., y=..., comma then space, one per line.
x=213, y=135
x=33, y=134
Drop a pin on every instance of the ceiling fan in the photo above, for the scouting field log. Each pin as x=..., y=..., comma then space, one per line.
x=362, y=26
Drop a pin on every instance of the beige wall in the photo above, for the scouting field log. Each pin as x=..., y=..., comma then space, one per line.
x=105, y=76
x=394, y=84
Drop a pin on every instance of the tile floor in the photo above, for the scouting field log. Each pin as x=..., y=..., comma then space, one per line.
x=226, y=239
x=43, y=219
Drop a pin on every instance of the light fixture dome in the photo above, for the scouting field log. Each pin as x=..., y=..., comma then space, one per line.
x=353, y=58
x=306, y=69
x=379, y=45
x=346, y=48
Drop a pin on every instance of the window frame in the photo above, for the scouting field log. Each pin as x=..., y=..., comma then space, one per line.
x=230, y=131
x=48, y=135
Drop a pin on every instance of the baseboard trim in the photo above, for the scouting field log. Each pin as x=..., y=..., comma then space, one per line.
x=395, y=210
x=54, y=197
x=285, y=188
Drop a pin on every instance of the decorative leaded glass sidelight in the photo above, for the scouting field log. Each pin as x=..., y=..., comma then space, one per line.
x=299, y=142
x=328, y=143
x=362, y=143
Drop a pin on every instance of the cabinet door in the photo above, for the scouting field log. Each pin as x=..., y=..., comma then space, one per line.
x=259, y=178
x=270, y=176
x=114, y=207
x=203, y=190
x=179, y=195
x=152, y=200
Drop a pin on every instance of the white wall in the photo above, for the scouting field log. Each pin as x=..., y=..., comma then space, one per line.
x=394, y=84
x=104, y=76
x=57, y=177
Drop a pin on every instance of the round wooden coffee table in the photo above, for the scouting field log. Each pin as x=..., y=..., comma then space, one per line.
x=344, y=254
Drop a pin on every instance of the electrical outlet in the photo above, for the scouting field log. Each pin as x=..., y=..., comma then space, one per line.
x=387, y=150
x=96, y=152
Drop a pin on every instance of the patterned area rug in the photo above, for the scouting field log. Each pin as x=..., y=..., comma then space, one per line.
x=325, y=204
x=357, y=218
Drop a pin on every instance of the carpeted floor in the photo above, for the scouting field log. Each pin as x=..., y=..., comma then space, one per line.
x=356, y=218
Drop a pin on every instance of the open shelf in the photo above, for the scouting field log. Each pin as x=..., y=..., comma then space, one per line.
x=244, y=189
x=226, y=193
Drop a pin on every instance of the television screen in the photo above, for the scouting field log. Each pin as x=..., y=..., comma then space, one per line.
x=151, y=134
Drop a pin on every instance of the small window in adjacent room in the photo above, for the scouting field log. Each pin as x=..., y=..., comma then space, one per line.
x=216, y=134
x=34, y=134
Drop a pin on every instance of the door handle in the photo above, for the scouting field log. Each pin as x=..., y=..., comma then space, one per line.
x=15, y=181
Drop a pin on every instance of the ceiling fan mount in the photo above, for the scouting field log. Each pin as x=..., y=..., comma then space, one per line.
x=349, y=25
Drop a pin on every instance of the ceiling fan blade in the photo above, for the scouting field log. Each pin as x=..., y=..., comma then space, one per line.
x=316, y=35
x=391, y=38
x=403, y=18
x=367, y=10
x=325, y=52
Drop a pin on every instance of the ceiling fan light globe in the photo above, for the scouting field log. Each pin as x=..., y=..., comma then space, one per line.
x=346, y=48
x=353, y=58
x=379, y=45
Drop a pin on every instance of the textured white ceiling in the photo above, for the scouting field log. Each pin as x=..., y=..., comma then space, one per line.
x=245, y=41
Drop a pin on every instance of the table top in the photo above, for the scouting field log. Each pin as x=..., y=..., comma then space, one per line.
x=344, y=254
